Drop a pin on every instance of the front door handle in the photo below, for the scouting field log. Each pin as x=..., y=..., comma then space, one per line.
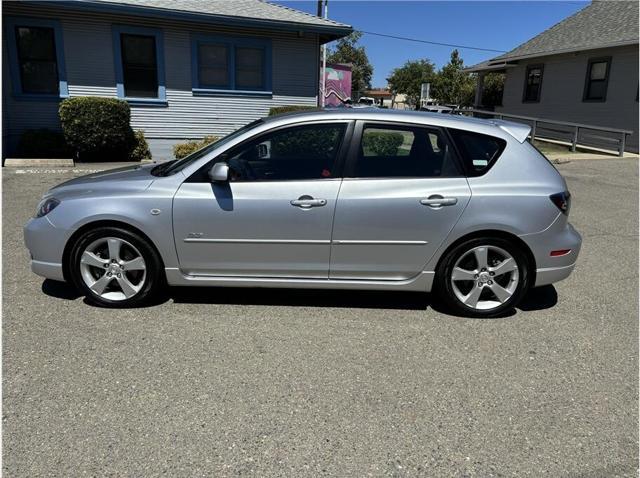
x=436, y=201
x=307, y=202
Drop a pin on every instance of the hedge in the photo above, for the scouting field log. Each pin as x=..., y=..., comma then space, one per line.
x=182, y=150
x=278, y=110
x=99, y=129
x=382, y=143
x=43, y=143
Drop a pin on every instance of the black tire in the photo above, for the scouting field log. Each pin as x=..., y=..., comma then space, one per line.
x=150, y=286
x=445, y=288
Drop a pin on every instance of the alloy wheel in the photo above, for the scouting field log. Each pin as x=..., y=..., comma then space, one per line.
x=485, y=277
x=113, y=268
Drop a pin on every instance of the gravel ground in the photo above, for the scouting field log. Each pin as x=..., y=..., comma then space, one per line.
x=228, y=382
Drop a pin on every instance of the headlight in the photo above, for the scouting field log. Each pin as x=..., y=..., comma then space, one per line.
x=46, y=206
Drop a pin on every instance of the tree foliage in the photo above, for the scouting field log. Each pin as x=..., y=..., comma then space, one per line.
x=452, y=85
x=347, y=50
x=408, y=79
x=492, y=90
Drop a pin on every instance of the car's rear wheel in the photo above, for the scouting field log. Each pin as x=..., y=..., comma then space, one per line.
x=483, y=277
x=115, y=267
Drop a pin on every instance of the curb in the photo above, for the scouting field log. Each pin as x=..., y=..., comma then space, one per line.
x=50, y=162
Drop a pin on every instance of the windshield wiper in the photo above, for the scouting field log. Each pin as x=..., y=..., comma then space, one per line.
x=161, y=169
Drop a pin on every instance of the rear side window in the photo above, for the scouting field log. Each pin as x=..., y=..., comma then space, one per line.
x=398, y=151
x=479, y=151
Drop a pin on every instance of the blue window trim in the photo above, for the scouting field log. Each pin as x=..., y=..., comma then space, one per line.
x=14, y=67
x=231, y=43
x=117, y=30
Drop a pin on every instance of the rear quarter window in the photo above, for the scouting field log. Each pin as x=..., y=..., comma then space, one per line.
x=478, y=151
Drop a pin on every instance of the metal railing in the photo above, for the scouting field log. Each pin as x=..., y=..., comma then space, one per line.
x=567, y=132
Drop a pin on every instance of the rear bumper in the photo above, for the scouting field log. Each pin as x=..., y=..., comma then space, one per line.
x=549, y=275
x=560, y=235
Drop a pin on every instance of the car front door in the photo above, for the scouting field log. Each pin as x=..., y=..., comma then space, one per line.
x=273, y=217
x=402, y=193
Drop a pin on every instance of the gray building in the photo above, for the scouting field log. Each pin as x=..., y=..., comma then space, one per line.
x=582, y=70
x=188, y=68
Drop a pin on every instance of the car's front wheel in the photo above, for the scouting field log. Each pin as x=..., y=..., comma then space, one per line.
x=115, y=267
x=483, y=277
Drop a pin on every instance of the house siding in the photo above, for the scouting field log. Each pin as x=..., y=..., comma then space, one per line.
x=563, y=87
x=89, y=56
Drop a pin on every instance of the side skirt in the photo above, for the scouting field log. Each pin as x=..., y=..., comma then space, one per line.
x=420, y=283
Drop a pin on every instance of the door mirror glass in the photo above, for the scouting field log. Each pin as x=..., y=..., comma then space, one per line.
x=219, y=172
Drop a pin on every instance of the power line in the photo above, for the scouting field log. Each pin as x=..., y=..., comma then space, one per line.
x=431, y=42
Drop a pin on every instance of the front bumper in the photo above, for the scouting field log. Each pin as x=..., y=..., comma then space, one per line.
x=46, y=245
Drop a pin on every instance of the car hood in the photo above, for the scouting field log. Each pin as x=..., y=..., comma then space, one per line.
x=126, y=178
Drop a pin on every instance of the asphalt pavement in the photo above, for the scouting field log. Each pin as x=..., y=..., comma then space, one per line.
x=242, y=382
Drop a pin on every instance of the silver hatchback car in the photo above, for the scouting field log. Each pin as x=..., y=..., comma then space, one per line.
x=345, y=199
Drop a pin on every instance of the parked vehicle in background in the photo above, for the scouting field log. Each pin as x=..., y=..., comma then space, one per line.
x=347, y=199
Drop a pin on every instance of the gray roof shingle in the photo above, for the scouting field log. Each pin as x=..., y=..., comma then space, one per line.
x=249, y=9
x=600, y=24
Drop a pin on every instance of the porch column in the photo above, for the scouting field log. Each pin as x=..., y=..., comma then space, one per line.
x=477, y=102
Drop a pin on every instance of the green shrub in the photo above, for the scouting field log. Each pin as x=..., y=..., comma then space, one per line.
x=97, y=128
x=382, y=143
x=311, y=142
x=140, y=149
x=278, y=110
x=182, y=150
x=43, y=143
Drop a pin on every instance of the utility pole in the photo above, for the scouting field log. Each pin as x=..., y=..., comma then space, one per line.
x=324, y=53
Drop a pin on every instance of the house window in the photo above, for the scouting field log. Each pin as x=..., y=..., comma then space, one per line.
x=230, y=65
x=533, y=84
x=139, y=59
x=36, y=57
x=213, y=66
x=595, y=88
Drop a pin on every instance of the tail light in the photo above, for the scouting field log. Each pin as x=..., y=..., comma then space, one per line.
x=562, y=201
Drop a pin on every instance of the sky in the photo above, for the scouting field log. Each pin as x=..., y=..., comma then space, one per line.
x=497, y=25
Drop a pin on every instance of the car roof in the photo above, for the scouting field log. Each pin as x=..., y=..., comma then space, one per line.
x=501, y=128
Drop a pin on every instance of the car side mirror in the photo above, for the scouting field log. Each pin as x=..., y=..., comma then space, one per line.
x=219, y=172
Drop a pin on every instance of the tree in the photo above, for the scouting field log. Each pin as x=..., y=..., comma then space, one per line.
x=347, y=50
x=408, y=79
x=492, y=90
x=452, y=85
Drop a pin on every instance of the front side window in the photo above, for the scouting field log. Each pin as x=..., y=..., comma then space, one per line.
x=232, y=64
x=296, y=153
x=387, y=152
x=479, y=151
x=533, y=83
x=597, y=79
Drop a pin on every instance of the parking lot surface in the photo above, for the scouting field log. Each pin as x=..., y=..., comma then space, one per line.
x=235, y=382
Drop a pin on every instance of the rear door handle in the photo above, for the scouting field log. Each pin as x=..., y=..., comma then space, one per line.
x=436, y=200
x=307, y=202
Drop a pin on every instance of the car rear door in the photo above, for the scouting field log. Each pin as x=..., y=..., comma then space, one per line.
x=402, y=193
x=273, y=218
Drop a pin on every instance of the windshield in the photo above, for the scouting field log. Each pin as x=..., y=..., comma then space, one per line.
x=172, y=167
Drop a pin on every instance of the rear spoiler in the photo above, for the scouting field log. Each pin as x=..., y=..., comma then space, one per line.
x=518, y=130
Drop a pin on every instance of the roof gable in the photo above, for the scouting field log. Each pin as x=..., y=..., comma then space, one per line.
x=601, y=24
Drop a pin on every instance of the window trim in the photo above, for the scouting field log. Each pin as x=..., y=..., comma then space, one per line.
x=231, y=43
x=10, y=23
x=587, y=80
x=356, y=139
x=201, y=174
x=539, y=66
x=117, y=31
